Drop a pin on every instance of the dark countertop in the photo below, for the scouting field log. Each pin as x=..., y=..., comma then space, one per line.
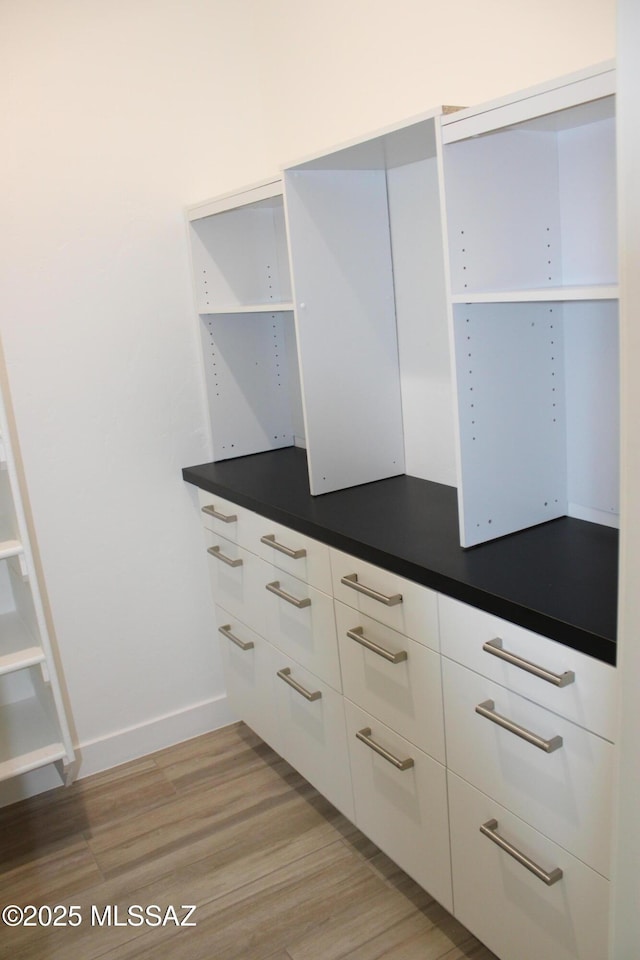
x=558, y=579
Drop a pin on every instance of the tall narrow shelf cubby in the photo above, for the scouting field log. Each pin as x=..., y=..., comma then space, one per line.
x=368, y=276
x=530, y=197
x=34, y=731
x=243, y=295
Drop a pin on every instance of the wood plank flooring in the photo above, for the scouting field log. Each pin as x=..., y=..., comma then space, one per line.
x=222, y=822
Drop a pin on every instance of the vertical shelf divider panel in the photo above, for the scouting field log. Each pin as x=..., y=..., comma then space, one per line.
x=341, y=262
x=370, y=306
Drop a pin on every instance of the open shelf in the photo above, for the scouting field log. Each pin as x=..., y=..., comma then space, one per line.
x=533, y=204
x=270, y=307
x=239, y=255
x=17, y=647
x=27, y=738
x=608, y=291
x=10, y=548
x=530, y=187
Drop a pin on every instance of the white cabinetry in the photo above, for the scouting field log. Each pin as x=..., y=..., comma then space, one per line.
x=33, y=727
x=243, y=295
x=475, y=753
x=527, y=787
x=490, y=231
x=279, y=642
x=531, y=222
x=393, y=702
x=365, y=237
x=513, y=911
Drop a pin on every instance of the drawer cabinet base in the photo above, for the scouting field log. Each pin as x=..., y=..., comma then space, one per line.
x=514, y=912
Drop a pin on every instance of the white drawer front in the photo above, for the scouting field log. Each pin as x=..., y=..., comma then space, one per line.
x=415, y=615
x=237, y=580
x=249, y=668
x=405, y=694
x=506, y=906
x=313, y=734
x=227, y=519
x=589, y=700
x=306, y=633
x=404, y=811
x=293, y=552
x=566, y=794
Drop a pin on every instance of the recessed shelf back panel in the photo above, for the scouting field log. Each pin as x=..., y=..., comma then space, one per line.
x=533, y=205
x=252, y=382
x=239, y=257
x=512, y=421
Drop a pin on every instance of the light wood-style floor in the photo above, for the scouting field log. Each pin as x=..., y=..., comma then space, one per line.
x=224, y=823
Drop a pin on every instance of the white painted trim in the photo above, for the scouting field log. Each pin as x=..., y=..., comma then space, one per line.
x=144, y=738
x=264, y=190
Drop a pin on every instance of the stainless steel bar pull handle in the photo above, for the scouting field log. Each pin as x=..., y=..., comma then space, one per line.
x=215, y=552
x=226, y=518
x=494, y=647
x=243, y=644
x=487, y=709
x=357, y=634
x=285, y=674
x=275, y=588
x=270, y=540
x=351, y=580
x=365, y=736
x=490, y=828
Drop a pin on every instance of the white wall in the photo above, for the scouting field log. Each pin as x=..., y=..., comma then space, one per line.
x=346, y=67
x=118, y=113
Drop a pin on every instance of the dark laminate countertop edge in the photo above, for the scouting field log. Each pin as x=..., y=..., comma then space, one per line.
x=571, y=635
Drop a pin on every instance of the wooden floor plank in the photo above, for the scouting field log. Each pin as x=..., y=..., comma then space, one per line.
x=224, y=823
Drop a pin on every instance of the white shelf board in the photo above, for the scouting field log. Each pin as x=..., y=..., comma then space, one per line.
x=27, y=739
x=10, y=548
x=591, y=84
x=541, y=294
x=17, y=649
x=271, y=307
x=260, y=192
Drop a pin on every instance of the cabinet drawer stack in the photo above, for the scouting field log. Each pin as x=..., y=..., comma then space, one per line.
x=393, y=703
x=279, y=641
x=529, y=775
x=476, y=754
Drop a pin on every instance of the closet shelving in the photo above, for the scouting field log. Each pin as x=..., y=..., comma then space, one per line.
x=34, y=731
x=243, y=296
x=531, y=226
x=365, y=237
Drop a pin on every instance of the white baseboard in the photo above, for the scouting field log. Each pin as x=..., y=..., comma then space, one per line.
x=122, y=745
x=138, y=741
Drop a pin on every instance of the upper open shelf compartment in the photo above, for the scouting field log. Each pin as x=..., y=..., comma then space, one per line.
x=531, y=200
x=239, y=253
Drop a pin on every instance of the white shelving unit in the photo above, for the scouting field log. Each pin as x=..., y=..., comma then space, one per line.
x=365, y=238
x=34, y=731
x=529, y=183
x=354, y=365
x=331, y=303
x=243, y=295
